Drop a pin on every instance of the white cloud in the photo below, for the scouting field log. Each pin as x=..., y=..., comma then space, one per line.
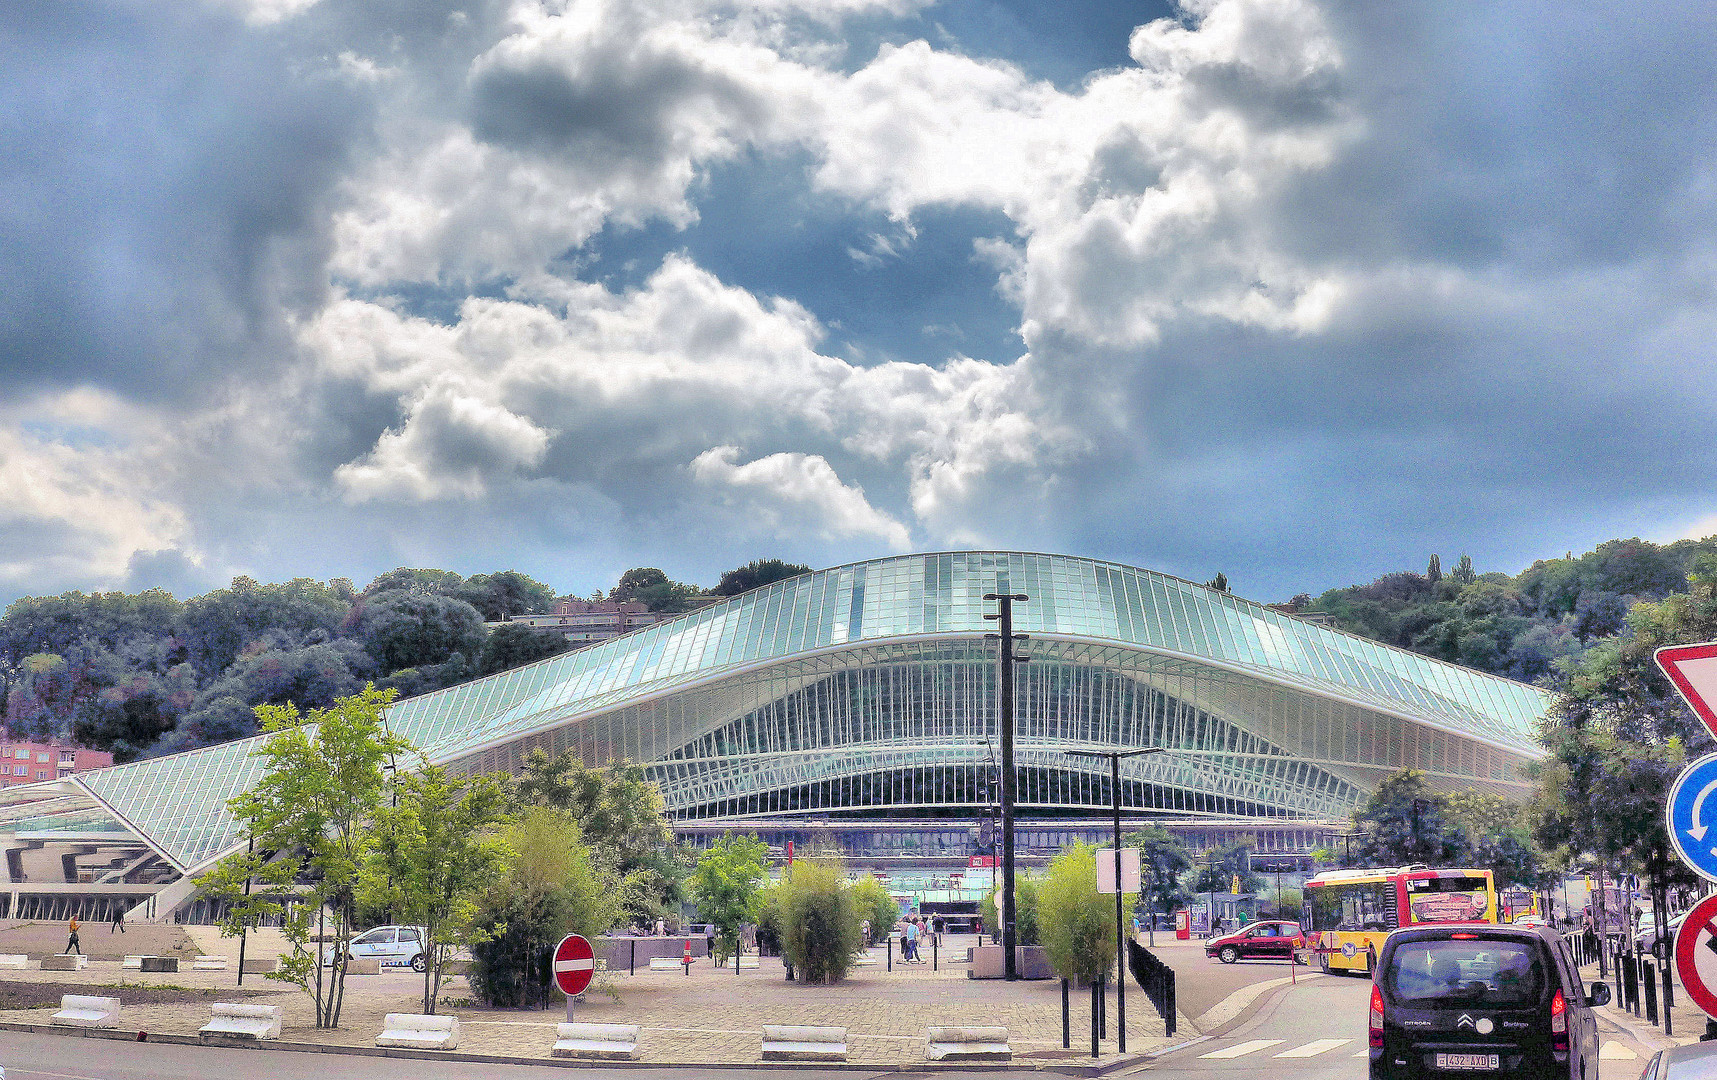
x=789, y=494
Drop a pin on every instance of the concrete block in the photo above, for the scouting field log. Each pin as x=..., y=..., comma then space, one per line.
x=65, y=962
x=357, y=965
x=91, y=1012
x=967, y=1044
x=14, y=961
x=784, y=1042
x=610, y=1042
x=132, y=963
x=261, y=965
x=209, y=963
x=160, y=963
x=420, y=1032
x=243, y=1021
x=665, y=963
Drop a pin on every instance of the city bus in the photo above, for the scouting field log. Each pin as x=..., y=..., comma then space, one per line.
x=1348, y=913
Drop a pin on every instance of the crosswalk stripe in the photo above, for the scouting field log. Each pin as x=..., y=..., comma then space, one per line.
x=1313, y=1049
x=1615, y=1051
x=1242, y=1049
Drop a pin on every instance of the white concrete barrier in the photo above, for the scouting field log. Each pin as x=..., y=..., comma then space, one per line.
x=745, y=963
x=90, y=1012
x=134, y=963
x=243, y=1021
x=607, y=1041
x=14, y=961
x=968, y=1044
x=65, y=962
x=209, y=963
x=783, y=1042
x=666, y=963
x=419, y=1031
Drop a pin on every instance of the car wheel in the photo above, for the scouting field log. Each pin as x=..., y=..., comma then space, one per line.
x=1228, y=954
x=1323, y=962
x=419, y=964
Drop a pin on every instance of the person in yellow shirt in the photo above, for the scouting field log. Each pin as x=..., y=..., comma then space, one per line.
x=72, y=944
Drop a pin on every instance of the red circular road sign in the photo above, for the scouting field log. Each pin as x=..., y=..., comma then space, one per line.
x=574, y=964
x=1696, y=955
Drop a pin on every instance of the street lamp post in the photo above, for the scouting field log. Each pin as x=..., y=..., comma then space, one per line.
x=1005, y=615
x=1115, y=757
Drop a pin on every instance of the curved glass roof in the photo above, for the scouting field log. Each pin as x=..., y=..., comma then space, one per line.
x=178, y=803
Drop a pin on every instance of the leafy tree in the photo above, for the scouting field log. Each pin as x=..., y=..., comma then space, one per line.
x=819, y=920
x=1163, y=861
x=215, y=627
x=727, y=881
x=1219, y=583
x=1464, y=574
x=1026, y=929
x=553, y=887
x=436, y=855
x=756, y=574
x=311, y=676
x=639, y=577
x=877, y=904
x=309, y=816
x=1434, y=570
x=650, y=587
x=417, y=581
x=1216, y=868
x=500, y=595
x=512, y=645
x=620, y=813
x=1077, y=922
x=130, y=716
x=402, y=629
x=1403, y=822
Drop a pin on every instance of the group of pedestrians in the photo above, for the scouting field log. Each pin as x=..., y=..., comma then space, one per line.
x=72, y=945
x=917, y=929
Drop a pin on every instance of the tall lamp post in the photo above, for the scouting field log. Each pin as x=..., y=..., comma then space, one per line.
x=1010, y=968
x=1115, y=757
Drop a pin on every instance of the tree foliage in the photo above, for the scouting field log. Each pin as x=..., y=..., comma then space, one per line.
x=727, y=881
x=1163, y=861
x=1026, y=930
x=1076, y=922
x=876, y=904
x=819, y=920
x=309, y=817
x=756, y=574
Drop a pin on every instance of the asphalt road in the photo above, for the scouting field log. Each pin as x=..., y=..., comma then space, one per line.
x=28, y=1056
x=1202, y=982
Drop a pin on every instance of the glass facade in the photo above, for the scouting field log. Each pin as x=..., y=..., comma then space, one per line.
x=869, y=689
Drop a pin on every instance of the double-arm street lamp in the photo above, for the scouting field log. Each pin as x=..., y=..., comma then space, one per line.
x=1005, y=615
x=1115, y=757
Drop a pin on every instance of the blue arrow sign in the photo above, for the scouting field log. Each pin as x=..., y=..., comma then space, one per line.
x=1691, y=814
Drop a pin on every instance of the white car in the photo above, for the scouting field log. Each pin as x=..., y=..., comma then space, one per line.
x=394, y=946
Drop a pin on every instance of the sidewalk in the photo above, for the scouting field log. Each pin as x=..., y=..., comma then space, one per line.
x=707, y=1017
x=1686, y=1019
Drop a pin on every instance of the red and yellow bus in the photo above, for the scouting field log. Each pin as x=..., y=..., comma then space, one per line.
x=1348, y=913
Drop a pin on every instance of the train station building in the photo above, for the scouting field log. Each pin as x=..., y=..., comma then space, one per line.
x=861, y=701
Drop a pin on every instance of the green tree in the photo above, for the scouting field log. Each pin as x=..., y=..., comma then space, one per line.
x=756, y=574
x=436, y=855
x=403, y=629
x=1026, y=928
x=512, y=645
x=1404, y=822
x=819, y=920
x=1077, y=922
x=1463, y=573
x=552, y=888
x=1219, y=583
x=727, y=880
x=1216, y=869
x=876, y=904
x=215, y=628
x=310, y=817
x=1434, y=570
x=501, y=595
x=1163, y=861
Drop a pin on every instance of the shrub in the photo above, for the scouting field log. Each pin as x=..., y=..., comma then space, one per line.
x=819, y=921
x=1077, y=923
x=1025, y=912
x=874, y=902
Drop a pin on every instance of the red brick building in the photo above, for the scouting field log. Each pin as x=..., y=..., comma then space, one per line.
x=25, y=762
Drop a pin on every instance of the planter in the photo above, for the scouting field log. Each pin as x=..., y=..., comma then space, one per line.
x=985, y=962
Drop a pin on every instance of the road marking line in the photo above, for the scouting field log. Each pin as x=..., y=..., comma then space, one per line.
x=1615, y=1051
x=1313, y=1049
x=1242, y=1049
x=1362, y=1053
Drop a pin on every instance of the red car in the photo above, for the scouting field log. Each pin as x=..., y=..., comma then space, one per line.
x=1267, y=940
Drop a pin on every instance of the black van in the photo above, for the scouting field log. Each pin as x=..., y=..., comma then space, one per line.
x=1473, y=999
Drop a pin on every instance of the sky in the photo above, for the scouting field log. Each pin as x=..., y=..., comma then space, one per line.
x=1298, y=291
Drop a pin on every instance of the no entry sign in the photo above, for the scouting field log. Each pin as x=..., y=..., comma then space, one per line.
x=574, y=964
x=1696, y=955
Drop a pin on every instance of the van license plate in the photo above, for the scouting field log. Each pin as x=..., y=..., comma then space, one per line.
x=1469, y=1061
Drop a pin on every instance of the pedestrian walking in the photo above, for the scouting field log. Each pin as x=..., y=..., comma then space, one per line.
x=72, y=942
x=118, y=919
x=912, y=940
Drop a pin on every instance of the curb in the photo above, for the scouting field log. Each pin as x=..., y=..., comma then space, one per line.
x=120, y=1035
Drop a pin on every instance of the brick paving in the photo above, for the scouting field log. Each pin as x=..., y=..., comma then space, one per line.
x=709, y=1016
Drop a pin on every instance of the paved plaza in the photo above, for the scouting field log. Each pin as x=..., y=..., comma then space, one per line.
x=707, y=1016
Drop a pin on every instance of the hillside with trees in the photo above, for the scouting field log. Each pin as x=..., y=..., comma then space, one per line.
x=146, y=674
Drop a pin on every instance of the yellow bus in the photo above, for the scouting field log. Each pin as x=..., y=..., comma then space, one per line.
x=1348, y=913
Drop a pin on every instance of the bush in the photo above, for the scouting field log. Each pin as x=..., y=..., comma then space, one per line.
x=1025, y=912
x=552, y=888
x=819, y=921
x=874, y=902
x=1076, y=921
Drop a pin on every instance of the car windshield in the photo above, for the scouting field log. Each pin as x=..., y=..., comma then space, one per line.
x=1455, y=974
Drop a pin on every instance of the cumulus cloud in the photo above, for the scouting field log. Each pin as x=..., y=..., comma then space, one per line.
x=795, y=492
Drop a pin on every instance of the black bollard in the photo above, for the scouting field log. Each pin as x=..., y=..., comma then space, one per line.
x=935, y=953
x=634, y=968
x=1103, y=1005
x=1648, y=983
x=891, y=952
x=1066, y=1024
x=1094, y=1008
